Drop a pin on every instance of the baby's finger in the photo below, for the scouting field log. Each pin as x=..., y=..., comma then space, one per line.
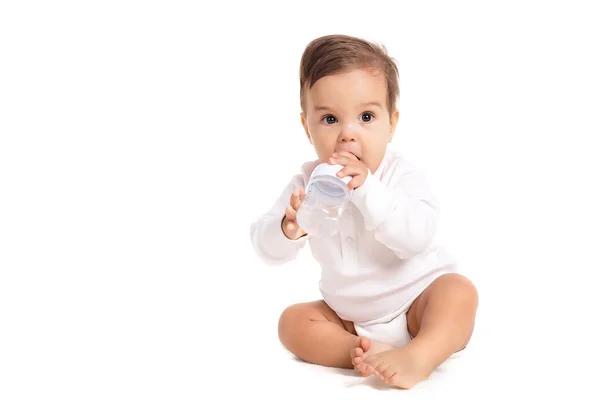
x=301, y=194
x=290, y=213
x=295, y=201
x=342, y=160
x=355, y=182
x=293, y=197
x=350, y=170
x=345, y=154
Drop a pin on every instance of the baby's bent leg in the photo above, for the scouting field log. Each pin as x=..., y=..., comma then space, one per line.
x=314, y=333
x=443, y=317
x=441, y=320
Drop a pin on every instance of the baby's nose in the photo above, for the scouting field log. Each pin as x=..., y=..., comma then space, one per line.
x=348, y=133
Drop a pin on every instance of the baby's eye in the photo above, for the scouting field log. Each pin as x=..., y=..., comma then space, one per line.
x=329, y=119
x=366, y=117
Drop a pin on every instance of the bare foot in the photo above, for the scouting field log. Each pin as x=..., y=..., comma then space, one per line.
x=403, y=367
x=364, y=348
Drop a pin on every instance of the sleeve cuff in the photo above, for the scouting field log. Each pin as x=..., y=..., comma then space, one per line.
x=283, y=244
x=374, y=200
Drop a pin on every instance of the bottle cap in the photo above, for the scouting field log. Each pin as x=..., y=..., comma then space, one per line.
x=325, y=178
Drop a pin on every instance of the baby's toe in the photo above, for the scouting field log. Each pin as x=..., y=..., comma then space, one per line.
x=369, y=369
x=362, y=368
x=391, y=379
x=386, y=373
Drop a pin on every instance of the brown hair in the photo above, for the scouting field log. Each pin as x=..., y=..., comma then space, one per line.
x=331, y=54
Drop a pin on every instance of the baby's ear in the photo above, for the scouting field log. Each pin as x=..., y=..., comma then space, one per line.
x=393, y=122
x=305, y=125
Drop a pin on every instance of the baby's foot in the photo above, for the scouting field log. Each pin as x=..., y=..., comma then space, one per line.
x=364, y=348
x=403, y=367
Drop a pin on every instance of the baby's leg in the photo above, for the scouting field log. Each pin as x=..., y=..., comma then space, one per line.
x=441, y=320
x=314, y=333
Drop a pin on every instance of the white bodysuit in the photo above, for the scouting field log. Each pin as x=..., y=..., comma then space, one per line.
x=384, y=255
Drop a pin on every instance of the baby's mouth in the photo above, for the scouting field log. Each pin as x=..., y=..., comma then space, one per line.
x=348, y=151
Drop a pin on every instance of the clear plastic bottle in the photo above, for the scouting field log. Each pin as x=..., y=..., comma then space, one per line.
x=326, y=197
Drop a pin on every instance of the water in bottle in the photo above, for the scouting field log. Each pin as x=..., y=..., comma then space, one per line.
x=326, y=198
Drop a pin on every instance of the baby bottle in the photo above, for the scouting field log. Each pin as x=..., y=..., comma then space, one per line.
x=326, y=197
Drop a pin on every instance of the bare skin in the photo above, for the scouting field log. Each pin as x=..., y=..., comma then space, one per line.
x=441, y=320
x=365, y=348
x=316, y=334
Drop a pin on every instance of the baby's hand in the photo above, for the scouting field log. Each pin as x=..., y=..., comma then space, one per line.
x=289, y=225
x=352, y=167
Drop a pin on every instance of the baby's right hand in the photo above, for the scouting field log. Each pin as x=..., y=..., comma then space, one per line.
x=289, y=225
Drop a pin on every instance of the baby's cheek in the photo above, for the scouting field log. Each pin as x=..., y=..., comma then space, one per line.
x=324, y=151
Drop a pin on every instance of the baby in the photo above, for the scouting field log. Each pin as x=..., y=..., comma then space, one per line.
x=393, y=303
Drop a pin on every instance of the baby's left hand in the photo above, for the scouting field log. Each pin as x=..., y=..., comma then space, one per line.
x=352, y=167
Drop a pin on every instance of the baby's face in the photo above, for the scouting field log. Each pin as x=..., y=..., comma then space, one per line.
x=348, y=112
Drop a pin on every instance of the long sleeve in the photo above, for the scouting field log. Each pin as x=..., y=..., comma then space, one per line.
x=402, y=211
x=268, y=239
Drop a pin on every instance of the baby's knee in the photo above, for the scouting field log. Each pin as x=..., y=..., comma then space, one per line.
x=290, y=317
x=460, y=286
x=290, y=313
x=297, y=316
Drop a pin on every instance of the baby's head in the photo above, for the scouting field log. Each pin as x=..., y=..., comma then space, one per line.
x=348, y=94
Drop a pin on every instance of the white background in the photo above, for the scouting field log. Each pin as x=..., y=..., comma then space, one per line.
x=133, y=158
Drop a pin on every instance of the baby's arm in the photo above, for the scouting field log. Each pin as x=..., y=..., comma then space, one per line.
x=270, y=243
x=404, y=214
